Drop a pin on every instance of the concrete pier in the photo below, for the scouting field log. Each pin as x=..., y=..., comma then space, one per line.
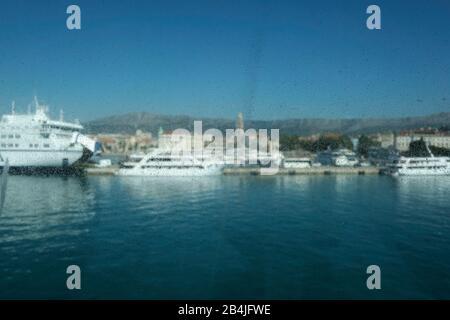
x=323, y=170
x=105, y=171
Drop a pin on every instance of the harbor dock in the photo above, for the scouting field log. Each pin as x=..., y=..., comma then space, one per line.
x=323, y=170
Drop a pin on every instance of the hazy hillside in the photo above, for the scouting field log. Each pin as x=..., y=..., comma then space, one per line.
x=129, y=123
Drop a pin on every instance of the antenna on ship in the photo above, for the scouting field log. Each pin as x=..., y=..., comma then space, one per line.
x=13, y=107
x=36, y=103
x=42, y=108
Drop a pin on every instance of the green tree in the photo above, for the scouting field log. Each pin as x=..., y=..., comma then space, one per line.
x=288, y=143
x=437, y=151
x=333, y=142
x=364, y=144
x=417, y=148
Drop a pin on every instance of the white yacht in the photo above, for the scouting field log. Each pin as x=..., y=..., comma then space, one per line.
x=163, y=163
x=419, y=166
x=34, y=140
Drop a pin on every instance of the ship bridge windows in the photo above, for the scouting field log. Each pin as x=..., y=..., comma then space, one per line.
x=62, y=128
x=10, y=136
x=159, y=159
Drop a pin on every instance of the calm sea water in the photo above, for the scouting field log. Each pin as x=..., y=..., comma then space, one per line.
x=287, y=237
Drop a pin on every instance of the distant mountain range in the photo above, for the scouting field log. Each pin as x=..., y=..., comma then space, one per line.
x=148, y=122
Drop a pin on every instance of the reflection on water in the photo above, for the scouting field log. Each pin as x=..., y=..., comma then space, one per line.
x=423, y=188
x=422, y=205
x=40, y=207
x=166, y=190
x=226, y=236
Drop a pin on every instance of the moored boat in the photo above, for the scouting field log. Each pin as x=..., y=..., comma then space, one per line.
x=34, y=140
x=163, y=163
x=418, y=166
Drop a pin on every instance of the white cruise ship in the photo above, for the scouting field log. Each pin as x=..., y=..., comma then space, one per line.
x=34, y=140
x=162, y=163
x=419, y=166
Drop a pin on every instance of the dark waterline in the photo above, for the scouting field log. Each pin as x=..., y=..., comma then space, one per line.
x=288, y=237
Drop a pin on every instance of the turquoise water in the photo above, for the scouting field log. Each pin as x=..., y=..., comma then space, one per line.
x=290, y=237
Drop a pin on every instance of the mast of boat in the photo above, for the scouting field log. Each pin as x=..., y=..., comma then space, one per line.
x=429, y=151
x=13, y=107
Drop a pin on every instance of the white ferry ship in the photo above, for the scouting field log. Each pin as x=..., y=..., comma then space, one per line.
x=419, y=166
x=162, y=163
x=3, y=183
x=33, y=140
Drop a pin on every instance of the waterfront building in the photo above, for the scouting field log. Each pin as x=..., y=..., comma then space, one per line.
x=402, y=140
x=385, y=140
x=441, y=140
x=339, y=158
x=297, y=163
x=381, y=156
x=126, y=143
x=167, y=140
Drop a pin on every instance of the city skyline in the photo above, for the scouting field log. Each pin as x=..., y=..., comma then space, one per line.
x=266, y=59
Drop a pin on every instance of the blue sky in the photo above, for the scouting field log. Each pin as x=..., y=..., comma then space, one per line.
x=268, y=59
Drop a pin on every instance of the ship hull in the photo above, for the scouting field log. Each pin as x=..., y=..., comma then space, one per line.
x=42, y=158
x=428, y=172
